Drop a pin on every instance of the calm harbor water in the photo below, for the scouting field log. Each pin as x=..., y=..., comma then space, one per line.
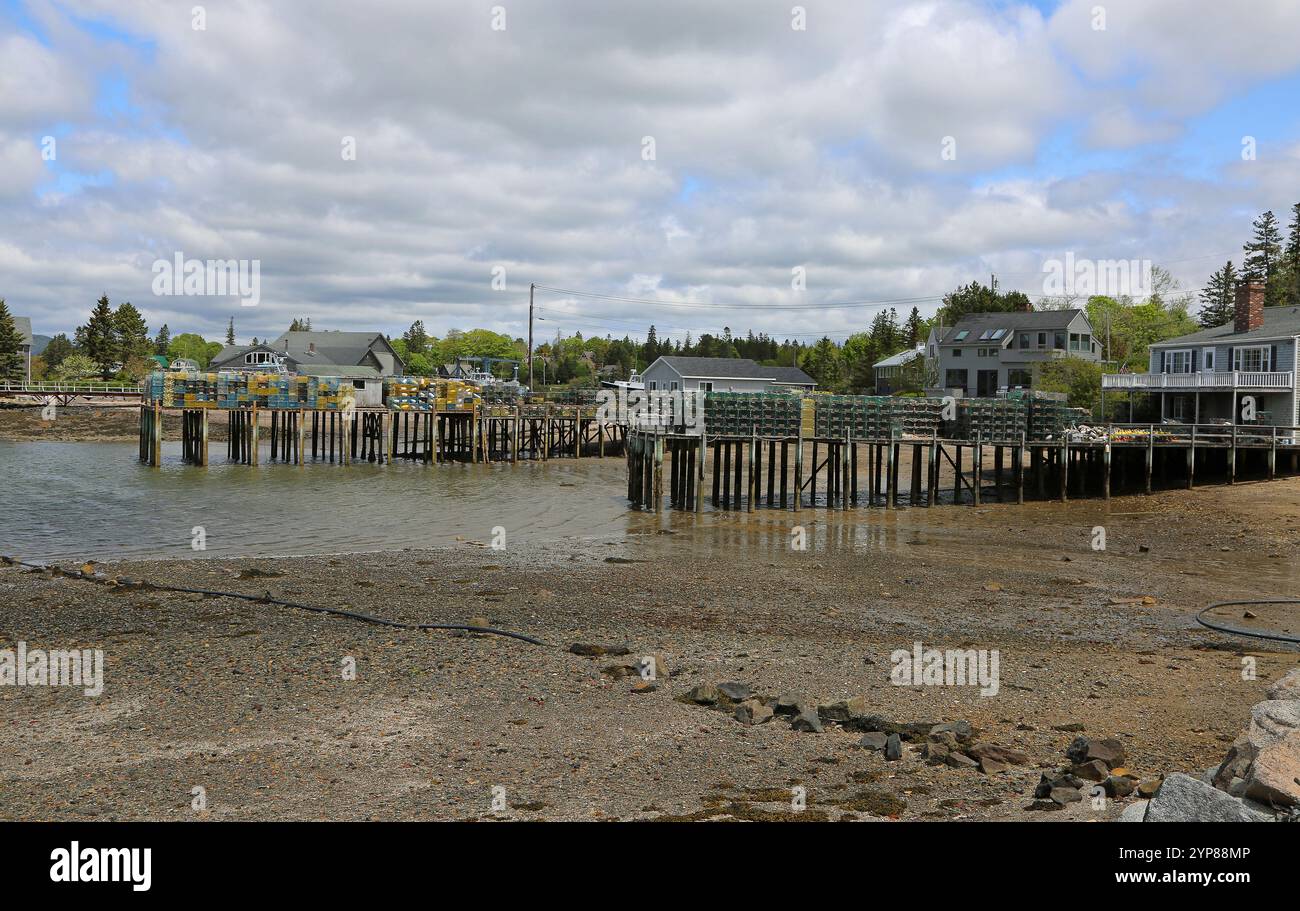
x=95, y=501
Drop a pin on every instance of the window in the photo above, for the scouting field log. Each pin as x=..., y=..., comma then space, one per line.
x=672, y=387
x=1251, y=360
x=1207, y=360
x=985, y=334
x=1074, y=341
x=1059, y=341
x=1024, y=340
x=1042, y=340
x=955, y=379
x=1085, y=342
x=706, y=386
x=259, y=357
x=997, y=334
x=961, y=336
x=653, y=386
x=1021, y=378
x=956, y=352
x=1178, y=361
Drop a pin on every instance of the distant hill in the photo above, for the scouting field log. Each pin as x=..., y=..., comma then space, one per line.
x=39, y=342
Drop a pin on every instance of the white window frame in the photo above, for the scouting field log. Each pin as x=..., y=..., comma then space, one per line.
x=1208, y=360
x=706, y=385
x=1169, y=360
x=1238, y=358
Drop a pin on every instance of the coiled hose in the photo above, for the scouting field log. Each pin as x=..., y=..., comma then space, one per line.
x=267, y=598
x=1275, y=637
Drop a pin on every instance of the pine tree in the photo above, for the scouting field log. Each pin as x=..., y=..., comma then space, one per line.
x=98, y=338
x=163, y=341
x=914, y=326
x=416, y=338
x=12, y=364
x=1264, y=256
x=1218, y=298
x=1291, y=261
x=57, y=351
x=131, y=333
x=230, y=332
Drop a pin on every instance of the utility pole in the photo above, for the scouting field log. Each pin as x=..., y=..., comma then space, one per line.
x=530, y=336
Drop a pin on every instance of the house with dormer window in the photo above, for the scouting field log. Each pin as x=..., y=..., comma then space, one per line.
x=986, y=354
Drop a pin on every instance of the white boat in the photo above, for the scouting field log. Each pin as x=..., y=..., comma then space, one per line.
x=633, y=382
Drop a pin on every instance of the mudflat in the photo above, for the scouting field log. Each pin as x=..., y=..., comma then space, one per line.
x=253, y=703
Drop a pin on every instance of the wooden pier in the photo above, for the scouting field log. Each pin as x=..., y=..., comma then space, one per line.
x=534, y=432
x=796, y=472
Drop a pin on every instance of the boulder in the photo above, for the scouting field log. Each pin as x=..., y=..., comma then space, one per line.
x=1274, y=777
x=1147, y=787
x=1065, y=795
x=1093, y=770
x=893, y=748
x=1135, y=812
x=1107, y=750
x=845, y=711
x=1118, y=786
x=1184, y=799
x=1286, y=688
x=997, y=753
x=751, y=711
x=704, y=694
x=992, y=766
x=960, y=761
x=874, y=740
x=958, y=729
x=807, y=721
x=1048, y=781
x=788, y=705
x=1236, y=764
x=736, y=692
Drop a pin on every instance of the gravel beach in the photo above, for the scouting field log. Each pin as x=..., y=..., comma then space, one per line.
x=251, y=702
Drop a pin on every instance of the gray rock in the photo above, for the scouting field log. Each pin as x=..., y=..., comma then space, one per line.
x=1135, y=812
x=1085, y=749
x=1274, y=777
x=999, y=754
x=1093, y=770
x=788, y=705
x=1184, y=799
x=736, y=692
x=704, y=694
x=893, y=748
x=1286, y=688
x=807, y=722
x=845, y=711
x=1064, y=795
x=961, y=730
x=751, y=711
x=960, y=761
x=874, y=740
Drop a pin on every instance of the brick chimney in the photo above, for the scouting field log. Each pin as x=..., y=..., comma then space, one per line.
x=1250, y=306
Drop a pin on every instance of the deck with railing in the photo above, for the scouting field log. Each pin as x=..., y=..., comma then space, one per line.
x=1235, y=379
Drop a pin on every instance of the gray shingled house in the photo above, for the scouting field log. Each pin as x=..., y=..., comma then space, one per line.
x=723, y=374
x=985, y=353
x=1229, y=372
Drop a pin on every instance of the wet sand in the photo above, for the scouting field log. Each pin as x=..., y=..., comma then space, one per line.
x=249, y=702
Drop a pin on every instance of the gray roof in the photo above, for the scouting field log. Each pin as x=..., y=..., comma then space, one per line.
x=346, y=348
x=1013, y=321
x=1279, y=322
x=901, y=358
x=357, y=373
x=233, y=352
x=731, y=367
x=24, y=327
x=791, y=375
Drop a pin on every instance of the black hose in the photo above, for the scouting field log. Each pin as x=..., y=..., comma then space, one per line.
x=1275, y=637
x=268, y=599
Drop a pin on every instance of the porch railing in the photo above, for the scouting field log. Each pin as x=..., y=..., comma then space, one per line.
x=1217, y=380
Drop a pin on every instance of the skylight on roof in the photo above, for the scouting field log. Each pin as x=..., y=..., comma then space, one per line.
x=997, y=334
x=961, y=336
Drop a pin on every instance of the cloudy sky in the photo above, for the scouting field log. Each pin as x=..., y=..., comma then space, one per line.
x=702, y=156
